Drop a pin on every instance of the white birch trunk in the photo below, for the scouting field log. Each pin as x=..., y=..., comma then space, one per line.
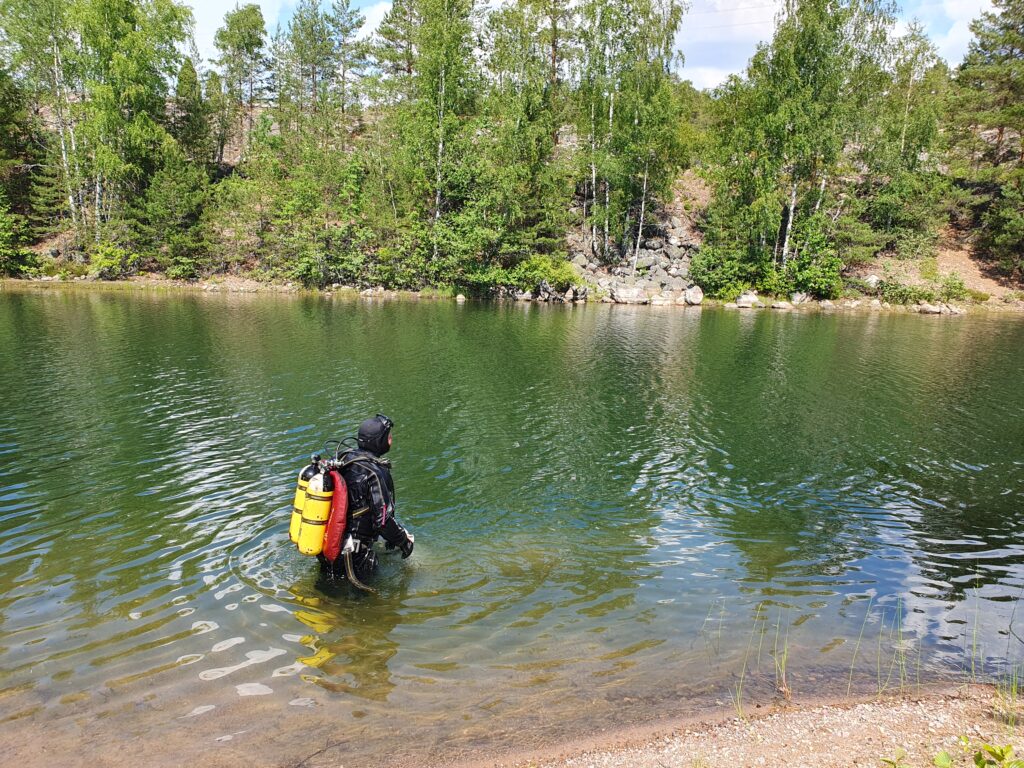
x=640, y=223
x=440, y=150
x=789, y=224
x=97, y=182
x=62, y=127
x=906, y=115
x=593, y=178
x=440, y=156
x=821, y=192
x=607, y=195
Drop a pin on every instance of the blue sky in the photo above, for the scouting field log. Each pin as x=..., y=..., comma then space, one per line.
x=717, y=36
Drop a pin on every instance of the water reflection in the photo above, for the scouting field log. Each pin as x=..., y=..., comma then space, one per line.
x=612, y=505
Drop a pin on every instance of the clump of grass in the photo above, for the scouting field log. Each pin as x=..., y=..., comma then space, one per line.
x=856, y=647
x=1007, y=697
x=781, y=657
x=737, y=691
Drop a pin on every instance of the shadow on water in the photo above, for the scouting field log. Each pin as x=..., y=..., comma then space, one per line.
x=620, y=514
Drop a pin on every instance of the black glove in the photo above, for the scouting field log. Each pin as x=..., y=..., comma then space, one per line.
x=407, y=546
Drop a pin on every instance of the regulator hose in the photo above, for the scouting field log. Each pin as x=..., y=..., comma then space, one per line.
x=350, y=572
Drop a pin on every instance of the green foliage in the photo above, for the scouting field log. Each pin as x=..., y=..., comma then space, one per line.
x=14, y=258
x=721, y=272
x=18, y=141
x=461, y=145
x=952, y=288
x=111, y=262
x=241, y=43
x=167, y=219
x=558, y=273
x=818, y=275
x=191, y=122
x=896, y=293
x=815, y=268
x=911, y=244
x=338, y=258
x=1003, y=233
x=898, y=761
x=986, y=117
x=1000, y=757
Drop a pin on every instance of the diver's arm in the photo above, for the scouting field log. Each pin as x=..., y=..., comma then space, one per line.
x=396, y=536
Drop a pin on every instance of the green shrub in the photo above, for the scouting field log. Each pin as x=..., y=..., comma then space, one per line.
x=721, y=272
x=774, y=283
x=14, y=259
x=912, y=244
x=819, y=275
x=952, y=288
x=979, y=297
x=857, y=286
x=1003, y=230
x=897, y=293
x=528, y=274
x=112, y=262
x=929, y=269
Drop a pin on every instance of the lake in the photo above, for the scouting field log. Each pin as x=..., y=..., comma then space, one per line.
x=622, y=515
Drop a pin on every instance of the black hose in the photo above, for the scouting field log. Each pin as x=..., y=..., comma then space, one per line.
x=351, y=574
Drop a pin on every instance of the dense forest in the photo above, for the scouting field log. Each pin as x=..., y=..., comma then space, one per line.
x=461, y=143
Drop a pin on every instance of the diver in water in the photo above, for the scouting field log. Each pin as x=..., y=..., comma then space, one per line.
x=371, y=501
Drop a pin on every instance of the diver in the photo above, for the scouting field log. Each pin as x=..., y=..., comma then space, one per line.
x=371, y=502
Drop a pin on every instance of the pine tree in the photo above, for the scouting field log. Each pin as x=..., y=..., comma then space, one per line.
x=992, y=79
x=350, y=53
x=395, y=45
x=242, y=46
x=312, y=53
x=991, y=87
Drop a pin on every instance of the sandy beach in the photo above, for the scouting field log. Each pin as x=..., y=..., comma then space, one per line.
x=909, y=730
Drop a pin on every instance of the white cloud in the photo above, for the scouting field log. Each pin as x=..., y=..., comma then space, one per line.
x=209, y=17
x=746, y=21
x=705, y=77
x=374, y=14
x=952, y=44
x=718, y=37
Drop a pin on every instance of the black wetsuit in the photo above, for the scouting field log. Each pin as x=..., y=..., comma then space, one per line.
x=371, y=513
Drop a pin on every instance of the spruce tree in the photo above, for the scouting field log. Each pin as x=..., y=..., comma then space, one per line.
x=191, y=123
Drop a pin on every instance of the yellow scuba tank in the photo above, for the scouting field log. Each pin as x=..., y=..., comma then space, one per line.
x=300, y=499
x=315, y=511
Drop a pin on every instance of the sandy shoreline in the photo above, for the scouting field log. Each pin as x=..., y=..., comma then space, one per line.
x=826, y=735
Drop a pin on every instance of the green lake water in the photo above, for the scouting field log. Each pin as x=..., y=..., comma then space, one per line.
x=621, y=515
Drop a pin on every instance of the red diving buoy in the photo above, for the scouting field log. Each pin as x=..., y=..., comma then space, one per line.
x=338, y=520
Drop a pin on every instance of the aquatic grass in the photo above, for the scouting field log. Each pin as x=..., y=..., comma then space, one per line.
x=1007, y=697
x=713, y=647
x=737, y=692
x=781, y=658
x=856, y=647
